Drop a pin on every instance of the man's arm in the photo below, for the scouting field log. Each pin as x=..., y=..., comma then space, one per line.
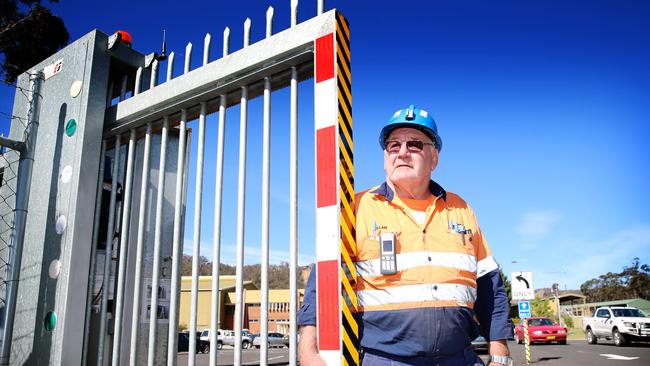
x=499, y=347
x=492, y=308
x=308, y=344
x=308, y=347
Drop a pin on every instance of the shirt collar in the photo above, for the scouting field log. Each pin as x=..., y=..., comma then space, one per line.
x=385, y=190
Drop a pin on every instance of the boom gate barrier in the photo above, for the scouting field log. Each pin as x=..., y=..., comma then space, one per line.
x=105, y=217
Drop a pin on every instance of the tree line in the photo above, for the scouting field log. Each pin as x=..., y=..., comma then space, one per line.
x=278, y=274
x=632, y=282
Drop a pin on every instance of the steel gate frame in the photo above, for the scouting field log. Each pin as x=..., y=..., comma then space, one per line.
x=319, y=48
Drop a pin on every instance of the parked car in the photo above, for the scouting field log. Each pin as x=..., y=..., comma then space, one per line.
x=183, y=344
x=205, y=340
x=274, y=340
x=480, y=344
x=227, y=337
x=541, y=329
x=622, y=324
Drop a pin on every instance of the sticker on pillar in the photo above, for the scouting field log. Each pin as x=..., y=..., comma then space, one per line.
x=66, y=174
x=75, y=88
x=50, y=321
x=71, y=127
x=55, y=269
x=61, y=224
x=53, y=69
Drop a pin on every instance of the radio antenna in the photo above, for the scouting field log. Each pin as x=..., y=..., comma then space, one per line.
x=163, y=53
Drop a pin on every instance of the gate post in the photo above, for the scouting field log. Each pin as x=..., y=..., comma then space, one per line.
x=25, y=168
x=338, y=334
x=59, y=227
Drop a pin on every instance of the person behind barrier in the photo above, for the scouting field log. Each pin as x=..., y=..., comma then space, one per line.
x=427, y=283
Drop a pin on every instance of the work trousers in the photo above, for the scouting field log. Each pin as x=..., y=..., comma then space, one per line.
x=467, y=358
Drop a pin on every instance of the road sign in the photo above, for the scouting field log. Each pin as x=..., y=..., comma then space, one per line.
x=522, y=286
x=524, y=309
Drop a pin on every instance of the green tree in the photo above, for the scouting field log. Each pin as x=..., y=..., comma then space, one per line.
x=541, y=307
x=632, y=282
x=28, y=37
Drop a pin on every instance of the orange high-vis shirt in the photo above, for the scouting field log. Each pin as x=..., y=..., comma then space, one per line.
x=440, y=251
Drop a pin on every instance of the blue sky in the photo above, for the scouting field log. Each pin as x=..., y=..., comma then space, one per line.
x=543, y=108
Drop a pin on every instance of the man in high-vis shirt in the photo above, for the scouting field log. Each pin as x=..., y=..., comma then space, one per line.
x=427, y=283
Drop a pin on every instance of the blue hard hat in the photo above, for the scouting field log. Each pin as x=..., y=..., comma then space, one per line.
x=412, y=117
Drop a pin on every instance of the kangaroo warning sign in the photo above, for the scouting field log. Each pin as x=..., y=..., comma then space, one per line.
x=522, y=286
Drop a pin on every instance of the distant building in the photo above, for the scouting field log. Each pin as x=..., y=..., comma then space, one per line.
x=278, y=314
x=588, y=309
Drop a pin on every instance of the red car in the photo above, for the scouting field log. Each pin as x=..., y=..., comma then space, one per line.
x=541, y=330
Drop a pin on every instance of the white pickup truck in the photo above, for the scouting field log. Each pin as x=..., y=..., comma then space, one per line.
x=224, y=338
x=622, y=324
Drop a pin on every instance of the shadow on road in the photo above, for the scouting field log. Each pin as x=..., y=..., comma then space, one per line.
x=542, y=359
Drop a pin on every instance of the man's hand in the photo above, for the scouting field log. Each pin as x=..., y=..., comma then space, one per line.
x=307, y=347
x=499, y=347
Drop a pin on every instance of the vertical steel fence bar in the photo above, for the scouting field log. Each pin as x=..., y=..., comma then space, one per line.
x=108, y=258
x=294, y=12
x=172, y=337
x=196, y=248
x=153, y=312
x=266, y=164
x=216, y=240
x=241, y=201
x=206, y=49
x=22, y=200
x=154, y=74
x=198, y=195
x=293, y=216
x=109, y=96
x=125, y=80
x=124, y=237
x=188, y=57
x=170, y=66
x=140, y=246
x=293, y=202
x=138, y=81
x=177, y=247
x=93, y=251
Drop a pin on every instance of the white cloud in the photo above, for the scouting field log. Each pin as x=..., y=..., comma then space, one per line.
x=537, y=224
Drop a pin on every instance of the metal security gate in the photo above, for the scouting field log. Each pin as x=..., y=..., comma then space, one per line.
x=106, y=215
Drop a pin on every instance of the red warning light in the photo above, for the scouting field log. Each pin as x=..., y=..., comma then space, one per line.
x=125, y=37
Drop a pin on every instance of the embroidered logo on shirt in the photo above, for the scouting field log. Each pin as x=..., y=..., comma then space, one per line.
x=376, y=230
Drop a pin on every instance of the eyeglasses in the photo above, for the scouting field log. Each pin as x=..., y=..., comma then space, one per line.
x=414, y=146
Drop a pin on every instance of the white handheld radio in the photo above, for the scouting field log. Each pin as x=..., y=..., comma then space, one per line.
x=388, y=257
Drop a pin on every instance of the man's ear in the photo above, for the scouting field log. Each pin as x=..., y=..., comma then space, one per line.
x=434, y=157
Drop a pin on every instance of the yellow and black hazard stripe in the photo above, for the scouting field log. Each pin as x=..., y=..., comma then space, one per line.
x=349, y=327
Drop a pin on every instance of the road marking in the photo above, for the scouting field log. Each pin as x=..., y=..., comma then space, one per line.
x=258, y=362
x=617, y=357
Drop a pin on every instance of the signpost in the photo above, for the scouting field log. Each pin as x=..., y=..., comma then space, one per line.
x=523, y=290
x=524, y=309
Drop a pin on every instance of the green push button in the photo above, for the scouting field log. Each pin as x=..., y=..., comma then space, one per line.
x=71, y=127
x=50, y=321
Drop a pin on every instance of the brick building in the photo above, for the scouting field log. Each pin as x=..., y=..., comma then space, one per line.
x=278, y=314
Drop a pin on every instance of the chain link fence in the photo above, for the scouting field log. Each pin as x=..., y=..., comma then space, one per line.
x=8, y=184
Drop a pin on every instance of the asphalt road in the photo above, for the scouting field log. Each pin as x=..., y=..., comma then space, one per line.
x=576, y=353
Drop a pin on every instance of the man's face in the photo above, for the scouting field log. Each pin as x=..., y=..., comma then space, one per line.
x=408, y=166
